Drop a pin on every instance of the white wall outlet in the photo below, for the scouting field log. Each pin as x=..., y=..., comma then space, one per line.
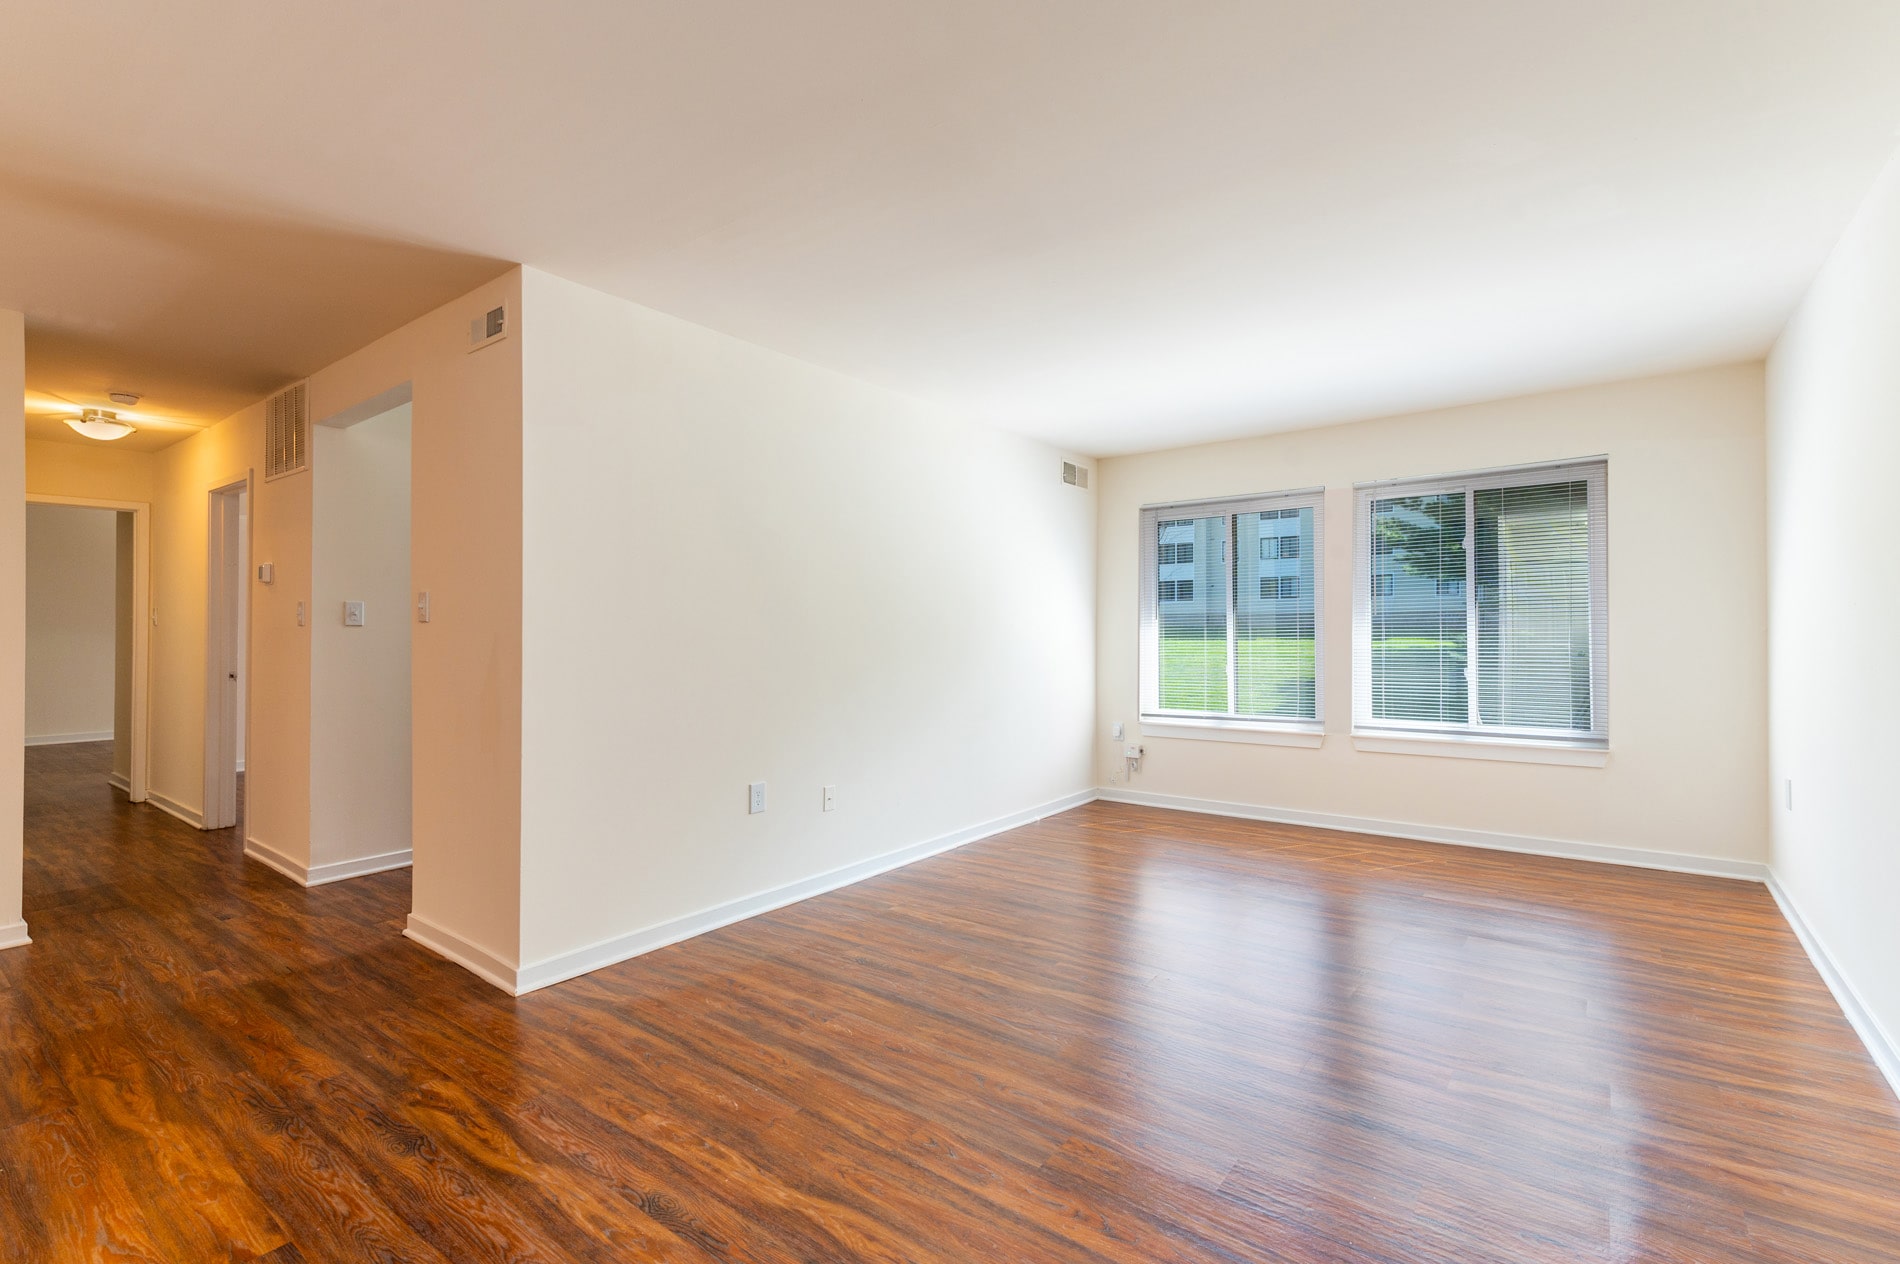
x=755, y=798
x=266, y=573
x=300, y=614
x=422, y=607
x=1115, y=730
x=831, y=798
x=352, y=614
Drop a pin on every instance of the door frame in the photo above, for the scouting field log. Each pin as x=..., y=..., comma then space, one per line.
x=220, y=714
x=138, y=775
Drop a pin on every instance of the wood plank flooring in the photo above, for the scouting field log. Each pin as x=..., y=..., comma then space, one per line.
x=1118, y=1035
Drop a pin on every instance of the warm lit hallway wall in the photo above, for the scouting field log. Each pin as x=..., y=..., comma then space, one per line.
x=72, y=623
x=98, y=471
x=125, y=614
x=1687, y=638
x=465, y=551
x=186, y=474
x=12, y=621
x=740, y=567
x=359, y=676
x=1833, y=447
x=466, y=548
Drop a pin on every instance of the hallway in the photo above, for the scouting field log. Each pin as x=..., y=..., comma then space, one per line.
x=1119, y=1034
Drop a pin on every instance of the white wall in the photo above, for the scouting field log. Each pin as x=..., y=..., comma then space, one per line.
x=1686, y=602
x=740, y=567
x=71, y=623
x=359, y=677
x=124, y=567
x=241, y=646
x=1833, y=447
x=12, y=621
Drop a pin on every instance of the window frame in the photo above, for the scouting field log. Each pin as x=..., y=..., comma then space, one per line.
x=1594, y=473
x=1227, y=726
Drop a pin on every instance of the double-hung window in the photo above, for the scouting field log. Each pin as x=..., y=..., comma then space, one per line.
x=1479, y=606
x=1231, y=597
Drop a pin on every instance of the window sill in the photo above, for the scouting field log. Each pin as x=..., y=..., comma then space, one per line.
x=1504, y=750
x=1233, y=731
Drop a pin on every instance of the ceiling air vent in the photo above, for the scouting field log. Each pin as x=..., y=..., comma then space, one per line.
x=1075, y=475
x=286, y=433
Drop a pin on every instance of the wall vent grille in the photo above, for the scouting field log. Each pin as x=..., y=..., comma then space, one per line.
x=286, y=433
x=1075, y=475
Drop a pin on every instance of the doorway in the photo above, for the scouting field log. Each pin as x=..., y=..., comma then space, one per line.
x=88, y=596
x=227, y=642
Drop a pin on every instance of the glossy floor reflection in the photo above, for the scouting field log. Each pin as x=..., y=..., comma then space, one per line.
x=1121, y=1034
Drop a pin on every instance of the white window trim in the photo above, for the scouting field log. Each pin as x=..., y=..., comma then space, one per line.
x=1155, y=722
x=1501, y=750
x=1532, y=745
x=1276, y=733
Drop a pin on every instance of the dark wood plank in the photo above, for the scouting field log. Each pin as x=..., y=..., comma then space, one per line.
x=1116, y=1035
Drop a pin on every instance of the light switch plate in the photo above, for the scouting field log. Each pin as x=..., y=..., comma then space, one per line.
x=352, y=614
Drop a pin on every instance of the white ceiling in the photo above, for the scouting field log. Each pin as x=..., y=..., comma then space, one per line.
x=1116, y=224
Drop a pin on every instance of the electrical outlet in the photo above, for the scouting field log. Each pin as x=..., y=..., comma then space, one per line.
x=755, y=799
x=831, y=798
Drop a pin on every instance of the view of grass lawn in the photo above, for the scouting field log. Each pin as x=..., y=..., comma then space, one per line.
x=1274, y=675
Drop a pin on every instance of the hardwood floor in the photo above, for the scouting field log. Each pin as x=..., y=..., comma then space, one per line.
x=1118, y=1035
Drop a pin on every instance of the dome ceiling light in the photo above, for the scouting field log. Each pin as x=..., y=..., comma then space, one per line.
x=99, y=423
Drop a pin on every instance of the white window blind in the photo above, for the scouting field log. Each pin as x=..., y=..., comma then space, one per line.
x=1231, y=601
x=1479, y=605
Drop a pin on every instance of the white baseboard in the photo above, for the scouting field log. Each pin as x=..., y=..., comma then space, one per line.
x=1884, y=1050
x=119, y=782
x=1677, y=862
x=359, y=867
x=475, y=959
x=271, y=857
x=335, y=871
x=62, y=739
x=189, y=816
x=14, y=936
x=581, y=961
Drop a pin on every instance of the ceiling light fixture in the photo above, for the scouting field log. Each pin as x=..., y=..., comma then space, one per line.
x=97, y=423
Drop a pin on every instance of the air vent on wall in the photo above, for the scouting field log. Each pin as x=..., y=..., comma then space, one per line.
x=1075, y=475
x=490, y=327
x=286, y=433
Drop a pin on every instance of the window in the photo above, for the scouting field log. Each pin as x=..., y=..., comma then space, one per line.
x=1279, y=588
x=1274, y=548
x=1212, y=649
x=1479, y=605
